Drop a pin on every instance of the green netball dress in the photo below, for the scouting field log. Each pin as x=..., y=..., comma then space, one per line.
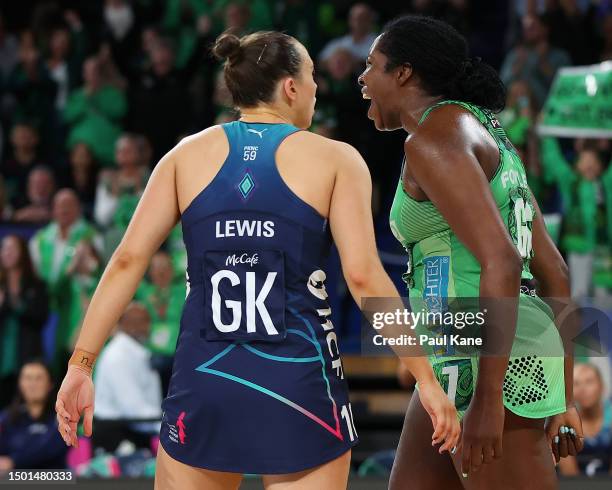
x=442, y=273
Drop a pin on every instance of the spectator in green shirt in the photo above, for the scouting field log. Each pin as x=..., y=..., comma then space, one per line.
x=119, y=190
x=586, y=229
x=94, y=112
x=54, y=250
x=517, y=116
x=164, y=300
x=182, y=20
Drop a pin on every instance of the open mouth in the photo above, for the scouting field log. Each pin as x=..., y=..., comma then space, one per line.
x=366, y=96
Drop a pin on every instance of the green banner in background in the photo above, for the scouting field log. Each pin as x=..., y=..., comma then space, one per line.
x=579, y=103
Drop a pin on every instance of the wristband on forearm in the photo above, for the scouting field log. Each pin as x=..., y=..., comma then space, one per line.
x=83, y=360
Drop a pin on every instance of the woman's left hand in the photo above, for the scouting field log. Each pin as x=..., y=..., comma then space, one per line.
x=443, y=414
x=564, y=433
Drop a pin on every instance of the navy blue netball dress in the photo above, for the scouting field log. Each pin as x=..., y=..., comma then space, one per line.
x=257, y=384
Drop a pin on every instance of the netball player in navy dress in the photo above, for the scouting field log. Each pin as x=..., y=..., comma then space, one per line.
x=257, y=384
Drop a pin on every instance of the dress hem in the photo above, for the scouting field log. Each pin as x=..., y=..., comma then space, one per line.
x=264, y=469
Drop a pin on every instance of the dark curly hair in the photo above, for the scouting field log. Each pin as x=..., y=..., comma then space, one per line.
x=438, y=54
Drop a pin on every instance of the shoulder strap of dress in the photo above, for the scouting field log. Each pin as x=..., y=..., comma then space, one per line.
x=465, y=105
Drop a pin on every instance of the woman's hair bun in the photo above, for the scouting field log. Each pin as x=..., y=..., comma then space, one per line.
x=227, y=46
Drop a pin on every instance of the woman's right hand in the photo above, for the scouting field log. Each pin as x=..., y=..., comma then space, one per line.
x=75, y=398
x=483, y=428
x=443, y=415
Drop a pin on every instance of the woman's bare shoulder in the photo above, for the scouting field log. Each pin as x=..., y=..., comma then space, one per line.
x=314, y=146
x=202, y=144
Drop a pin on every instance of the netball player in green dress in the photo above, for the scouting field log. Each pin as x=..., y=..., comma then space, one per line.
x=472, y=229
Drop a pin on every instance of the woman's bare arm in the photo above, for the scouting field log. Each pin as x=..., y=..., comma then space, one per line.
x=157, y=213
x=352, y=227
x=155, y=216
x=443, y=163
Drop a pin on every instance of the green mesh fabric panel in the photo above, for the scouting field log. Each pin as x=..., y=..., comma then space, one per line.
x=422, y=218
x=525, y=381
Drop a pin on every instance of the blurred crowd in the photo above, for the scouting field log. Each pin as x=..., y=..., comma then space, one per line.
x=93, y=93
